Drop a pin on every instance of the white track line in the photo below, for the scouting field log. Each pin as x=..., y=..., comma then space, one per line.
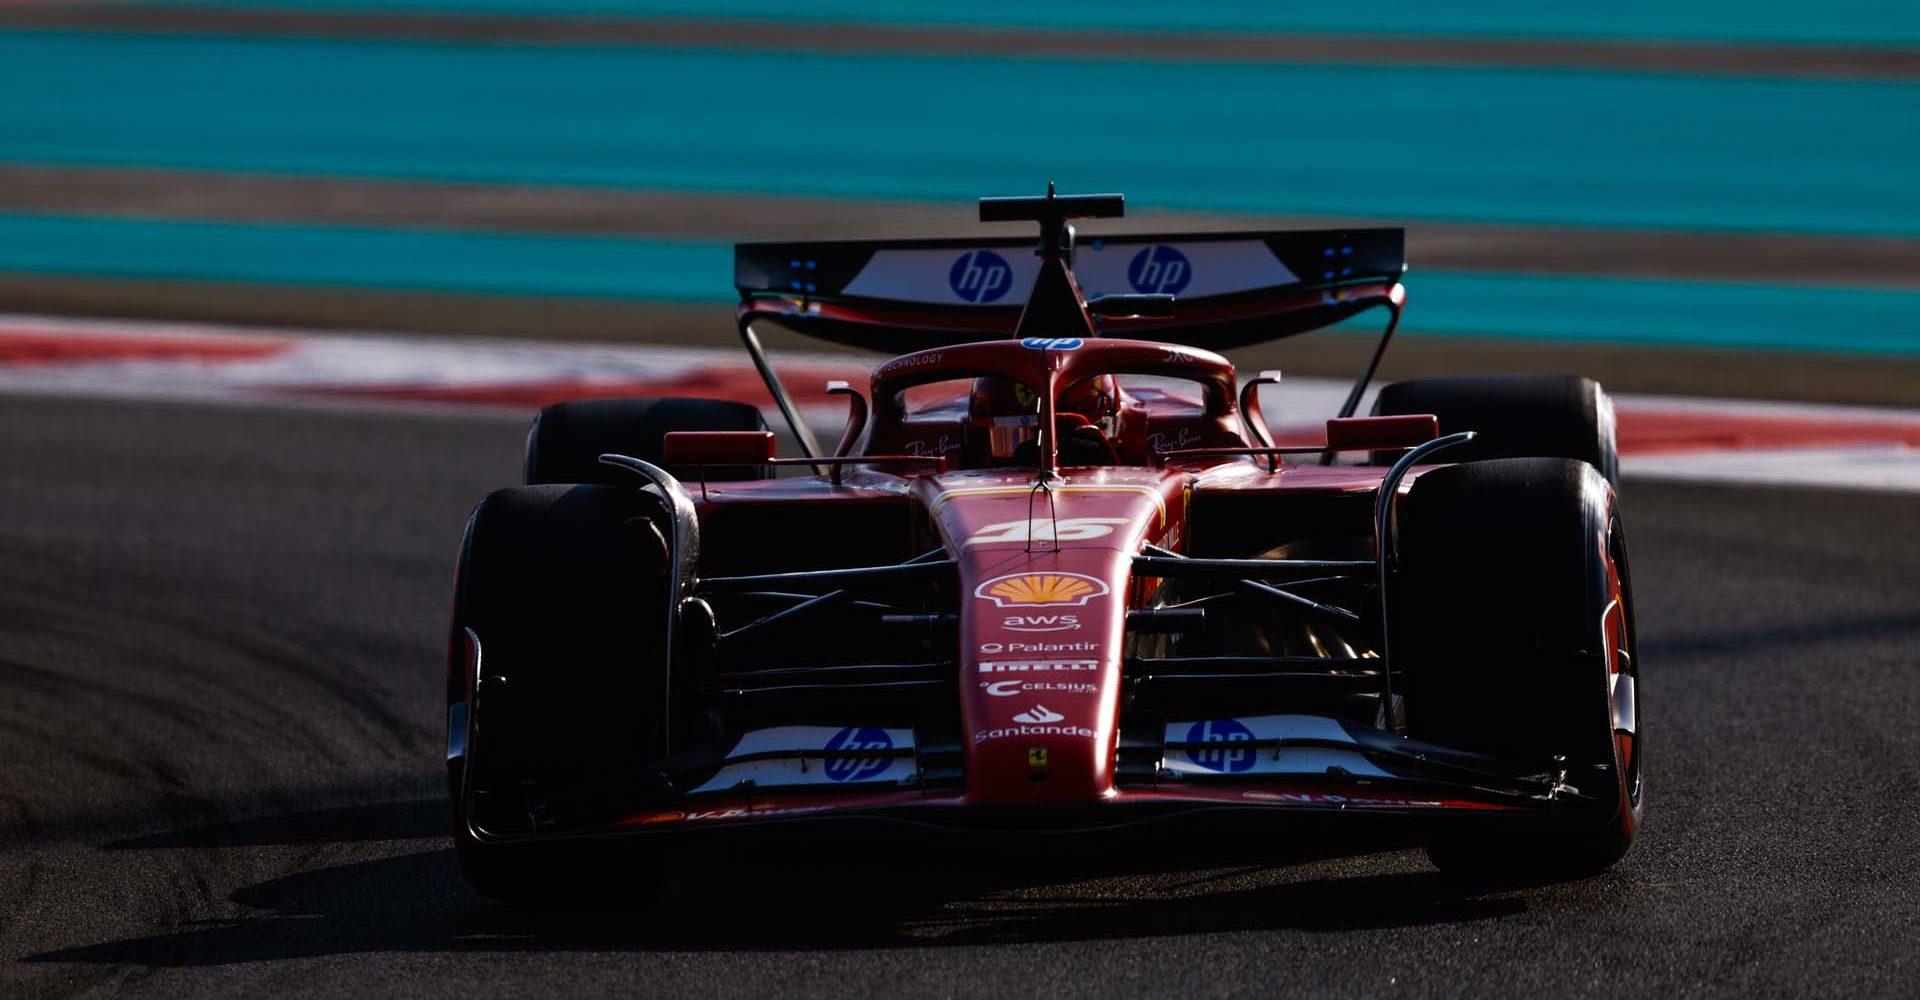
x=1889, y=467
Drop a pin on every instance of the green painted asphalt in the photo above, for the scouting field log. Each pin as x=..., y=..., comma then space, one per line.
x=1488, y=145
x=1663, y=312
x=1884, y=22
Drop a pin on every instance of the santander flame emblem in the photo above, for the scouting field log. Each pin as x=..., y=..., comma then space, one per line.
x=1038, y=590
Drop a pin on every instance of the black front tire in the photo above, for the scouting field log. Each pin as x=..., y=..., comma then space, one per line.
x=1512, y=627
x=565, y=589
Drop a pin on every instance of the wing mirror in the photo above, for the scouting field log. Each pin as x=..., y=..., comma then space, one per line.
x=1381, y=433
x=699, y=448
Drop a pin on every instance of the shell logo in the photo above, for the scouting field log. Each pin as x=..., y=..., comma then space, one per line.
x=1035, y=590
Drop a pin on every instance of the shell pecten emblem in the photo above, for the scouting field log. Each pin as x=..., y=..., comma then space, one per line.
x=1039, y=590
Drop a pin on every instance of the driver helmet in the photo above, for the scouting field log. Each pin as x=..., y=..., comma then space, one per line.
x=1011, y=410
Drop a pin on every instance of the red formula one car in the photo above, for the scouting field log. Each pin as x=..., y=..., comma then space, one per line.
x=1056, y=575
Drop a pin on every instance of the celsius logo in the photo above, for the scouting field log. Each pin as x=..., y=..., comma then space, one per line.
x=980, y=276
x=849, y=768
x=1230, y=745
x=1159, y=270
x=1008, y=689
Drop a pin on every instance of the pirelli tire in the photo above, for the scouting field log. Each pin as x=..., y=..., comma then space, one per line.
x=1513, y=636
x=553, y=599
x=566, y=440
x=1514, y=416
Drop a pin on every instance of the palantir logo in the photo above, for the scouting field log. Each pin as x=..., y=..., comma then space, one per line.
x=1159, y=270
x=1234, y=749
x=857, y=768
x=980, y=276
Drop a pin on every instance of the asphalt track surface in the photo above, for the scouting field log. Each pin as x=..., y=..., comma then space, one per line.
x=220, y=715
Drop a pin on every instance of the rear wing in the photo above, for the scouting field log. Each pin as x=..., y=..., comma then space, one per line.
x=1230, y=289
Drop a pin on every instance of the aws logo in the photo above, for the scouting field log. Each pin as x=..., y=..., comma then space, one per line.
x=1041, y=590
x=1040, y=623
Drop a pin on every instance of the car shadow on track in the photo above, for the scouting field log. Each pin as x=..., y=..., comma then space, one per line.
x=889, y=897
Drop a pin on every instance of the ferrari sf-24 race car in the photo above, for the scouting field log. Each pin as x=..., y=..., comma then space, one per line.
x=1057, y=574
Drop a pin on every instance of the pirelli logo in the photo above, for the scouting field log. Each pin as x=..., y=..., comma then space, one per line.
x=1037, y=666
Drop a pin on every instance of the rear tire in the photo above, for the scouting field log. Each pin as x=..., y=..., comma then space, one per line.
x=566, y=440
x=1515, y=416
x=1513, y=619
x=565, y=588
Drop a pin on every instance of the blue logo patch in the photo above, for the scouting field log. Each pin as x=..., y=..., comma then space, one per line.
x=980, y=276
x=1159, y=270
x=1234, y=752
x=1052, y=343
x=850, y=768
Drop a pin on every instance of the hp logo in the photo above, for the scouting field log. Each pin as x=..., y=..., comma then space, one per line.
x=1234, y=749
x=849, y=768
x=1159, y=270
x=980, y=276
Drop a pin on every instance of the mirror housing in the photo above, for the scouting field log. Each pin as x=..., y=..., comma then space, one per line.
x=717, y=448
x=1381, y=433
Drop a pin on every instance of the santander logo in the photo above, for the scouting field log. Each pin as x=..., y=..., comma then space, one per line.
x=1038, y=715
